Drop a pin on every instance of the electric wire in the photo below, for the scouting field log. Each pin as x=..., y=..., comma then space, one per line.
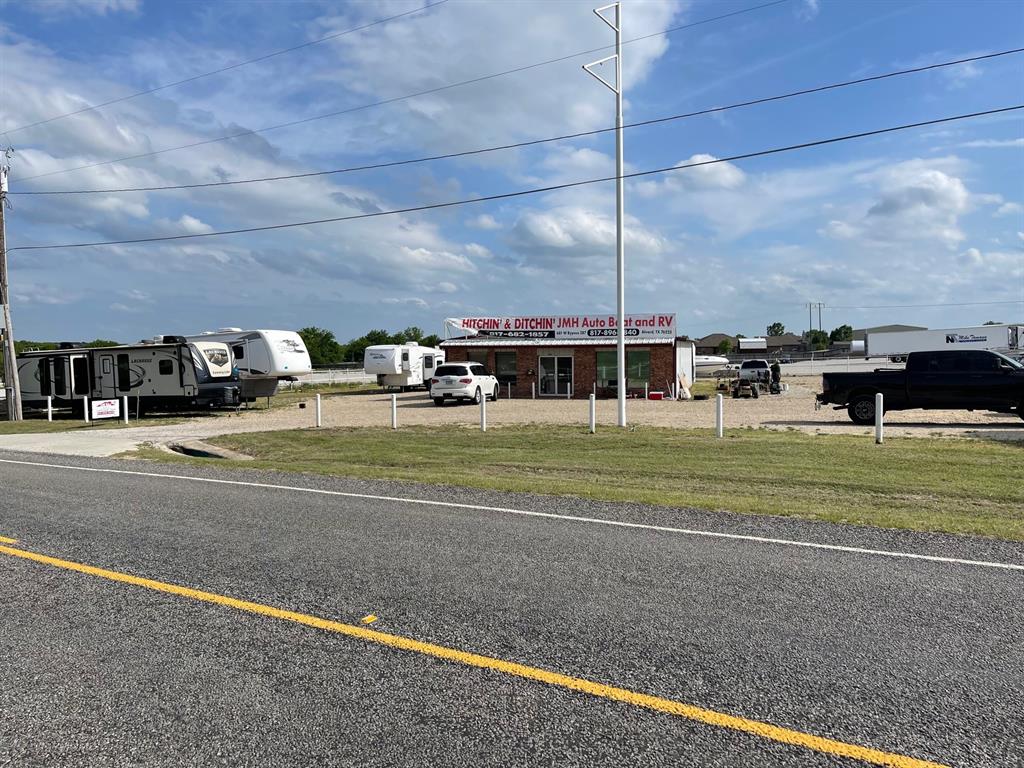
x=394, y=99
x=531, y=142
x=227, y=68
x=533, y=191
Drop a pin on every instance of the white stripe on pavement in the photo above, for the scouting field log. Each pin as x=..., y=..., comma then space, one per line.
x=550, y=515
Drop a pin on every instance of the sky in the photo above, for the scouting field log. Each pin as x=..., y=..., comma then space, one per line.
x=927, y=216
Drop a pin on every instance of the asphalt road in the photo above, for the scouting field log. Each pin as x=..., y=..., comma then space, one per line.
x=919, y=658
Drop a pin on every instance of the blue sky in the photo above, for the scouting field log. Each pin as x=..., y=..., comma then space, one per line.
x=927, y=216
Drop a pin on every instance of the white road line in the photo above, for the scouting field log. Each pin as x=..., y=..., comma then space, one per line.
x=550, y=515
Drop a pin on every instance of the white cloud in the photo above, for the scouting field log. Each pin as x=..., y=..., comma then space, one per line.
x=1009, y=209
x=807, y=10
x=993, y=143
x=483, y=221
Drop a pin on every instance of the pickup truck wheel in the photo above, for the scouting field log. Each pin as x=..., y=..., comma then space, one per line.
x=862, y=410
x=439, y=401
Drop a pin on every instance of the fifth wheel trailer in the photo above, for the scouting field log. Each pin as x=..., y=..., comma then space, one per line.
x=166, y=375
x=402, y=365
x=1008, y=339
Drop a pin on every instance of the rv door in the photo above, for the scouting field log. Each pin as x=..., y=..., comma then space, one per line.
x=106, y=379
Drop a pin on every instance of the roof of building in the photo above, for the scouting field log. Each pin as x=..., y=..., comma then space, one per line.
x=714, y=339
x=784, y=340
x=859, y=333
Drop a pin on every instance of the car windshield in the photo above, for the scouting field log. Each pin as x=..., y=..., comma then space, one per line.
x=451, y=370
x=1009, y=361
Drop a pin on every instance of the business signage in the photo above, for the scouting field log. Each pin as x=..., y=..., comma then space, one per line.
x=965, y=338
x=570, y=327
x=106, y=409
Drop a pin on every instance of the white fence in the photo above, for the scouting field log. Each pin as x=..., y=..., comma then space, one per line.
x=338, y=376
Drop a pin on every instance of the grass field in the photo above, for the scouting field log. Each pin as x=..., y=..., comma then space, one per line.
x=36, y=425
x=953, y=486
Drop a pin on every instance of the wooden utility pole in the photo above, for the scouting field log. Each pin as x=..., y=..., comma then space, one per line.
x=10, y=358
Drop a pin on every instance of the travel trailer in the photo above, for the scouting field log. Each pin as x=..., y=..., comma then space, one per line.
x=402, y=365
x=280, y=354
x=164, y=374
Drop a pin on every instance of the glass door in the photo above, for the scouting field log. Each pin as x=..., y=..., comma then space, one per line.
x=555, y=376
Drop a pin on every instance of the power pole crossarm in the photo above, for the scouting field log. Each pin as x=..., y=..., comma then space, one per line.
x=620, y=261
x=13, y=390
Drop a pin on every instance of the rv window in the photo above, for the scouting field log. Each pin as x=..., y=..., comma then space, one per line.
x=428, y=361
x=239, y=351
x=166, y=367
x=405, y=357
x=106, y=366
x=60, y=376
x=124, y=374
x=44, y=377
x=80, y=374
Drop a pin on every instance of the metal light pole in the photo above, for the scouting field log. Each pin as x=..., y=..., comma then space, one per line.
x=10, y=359
x=619, y=197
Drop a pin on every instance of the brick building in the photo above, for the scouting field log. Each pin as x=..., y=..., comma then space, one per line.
x=570, y=357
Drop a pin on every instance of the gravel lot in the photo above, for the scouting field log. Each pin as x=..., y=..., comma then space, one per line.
x=791, y=410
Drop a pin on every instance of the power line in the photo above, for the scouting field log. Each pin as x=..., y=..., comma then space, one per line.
x=922, y=306
x=533, y=191
x=532, y=142
x=228, y=68
x=394, y=99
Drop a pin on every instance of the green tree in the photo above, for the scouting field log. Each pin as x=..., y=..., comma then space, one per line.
x=323, y=348
x=102, y=343
x=817, y=339
x=776, y=329
x=724, y=347
x=842, y=333
x=412, y=333
x=430, y=341
x=991, y=322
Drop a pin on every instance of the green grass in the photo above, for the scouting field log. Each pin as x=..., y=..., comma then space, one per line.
x=37, y=425
x=953, y=486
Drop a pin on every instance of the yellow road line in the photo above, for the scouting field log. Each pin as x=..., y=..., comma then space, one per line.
x=5, y=540
x=667, y=706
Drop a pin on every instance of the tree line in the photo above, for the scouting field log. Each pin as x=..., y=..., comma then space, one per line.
x=325, y=349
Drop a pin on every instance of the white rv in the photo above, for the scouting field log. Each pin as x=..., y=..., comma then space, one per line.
x=279, y=354
x=1008, y=339
x=402, y=365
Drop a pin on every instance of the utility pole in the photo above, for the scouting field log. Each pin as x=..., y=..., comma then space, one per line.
x=10, y=359
x=619, y=198
x=820, y=327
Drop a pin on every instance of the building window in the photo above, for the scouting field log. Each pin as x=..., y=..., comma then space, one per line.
x=638, y=368
x=166, y=367
x=477, y=356
x=124, y=374
x=505, y=367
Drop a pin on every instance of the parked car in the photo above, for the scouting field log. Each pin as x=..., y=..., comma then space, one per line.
x=956, y=380
x=462, y=381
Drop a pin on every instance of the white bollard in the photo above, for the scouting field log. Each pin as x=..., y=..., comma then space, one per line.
x=719, y=426
x=879, y=414
x=646, y=393
x=124, y=405
x=394, y=411
x=85, y=409
x=533, y=390
x=593, y=414
x=49, y=408
x=319, y=413
x=510, y=390
x=483, y=413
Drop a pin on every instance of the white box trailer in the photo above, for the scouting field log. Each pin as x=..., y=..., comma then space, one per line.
x=402, y=365
x=1008, y=339
x=752, y=344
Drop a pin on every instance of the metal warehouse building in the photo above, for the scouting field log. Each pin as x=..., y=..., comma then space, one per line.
x=574, y=355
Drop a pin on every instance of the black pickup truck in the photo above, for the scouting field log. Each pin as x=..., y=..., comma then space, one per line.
x=971, y=380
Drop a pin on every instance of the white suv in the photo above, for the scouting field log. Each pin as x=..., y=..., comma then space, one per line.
x=462, y=381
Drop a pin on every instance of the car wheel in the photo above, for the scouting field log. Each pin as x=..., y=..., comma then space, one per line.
x=862, y=410
x=439, y=401
x=477, y=397
x=494, y=393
